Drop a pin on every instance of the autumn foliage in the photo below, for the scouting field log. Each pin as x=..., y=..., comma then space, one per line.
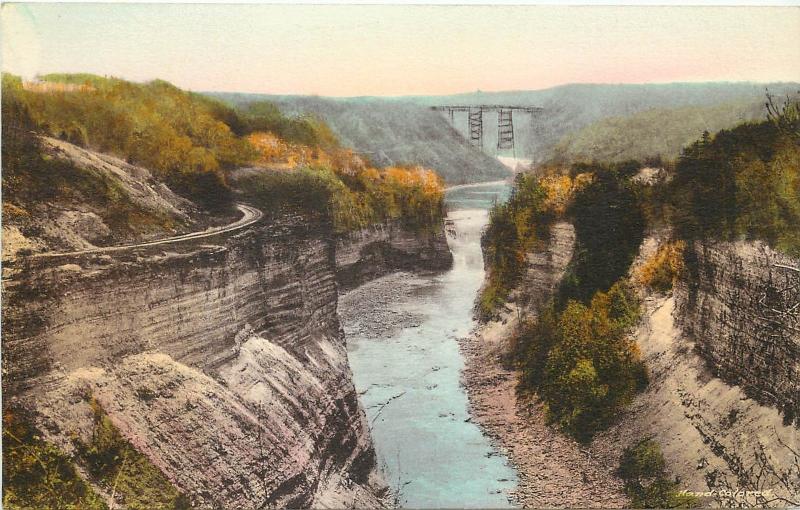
x=193, y=144
x=354, y=200
x=519, y=226
x=660, y=270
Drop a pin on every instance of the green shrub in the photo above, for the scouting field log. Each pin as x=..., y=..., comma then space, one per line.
x=582, y=362
x=306, y=191
x=643, y=469
x=532, y=344
x=36, y=474
x=124, y=471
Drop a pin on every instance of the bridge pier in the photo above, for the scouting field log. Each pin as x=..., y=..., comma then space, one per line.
x=476, y=127
x=505, y=129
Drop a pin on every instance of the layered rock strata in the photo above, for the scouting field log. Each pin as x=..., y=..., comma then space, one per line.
x=740, y=302
x=221, y=359
x=380, y=249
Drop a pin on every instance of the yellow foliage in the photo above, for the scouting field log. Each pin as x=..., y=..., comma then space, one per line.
x=660, y=270
x=582, y=180
x=417, y=176
x=46, y=87
x=274, y=152
x=269, y=148
x=559, y=192
x=13, y=211
x=560, y=188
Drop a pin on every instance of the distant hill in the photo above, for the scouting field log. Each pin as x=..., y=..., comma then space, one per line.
x=405, y=129
x=660, y=132
x=570, y=108
x=392, y=132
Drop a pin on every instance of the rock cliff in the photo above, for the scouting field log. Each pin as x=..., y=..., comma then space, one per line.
x=722, y=357
x=714, y=438
x=221, y=359
x=372, y=252
x=741, y=304
x=713, y=402
x=545, y=268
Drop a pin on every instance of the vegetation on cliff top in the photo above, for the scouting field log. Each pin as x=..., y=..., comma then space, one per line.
x=413, y=195
x=193, y=143
x=609, y=227
x=518, y=226
x=739, y=184
x=743, y=183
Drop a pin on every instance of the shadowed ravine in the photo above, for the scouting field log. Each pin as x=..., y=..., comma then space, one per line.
x=402, y=333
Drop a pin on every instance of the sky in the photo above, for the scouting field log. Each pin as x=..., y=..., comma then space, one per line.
x=388, y=50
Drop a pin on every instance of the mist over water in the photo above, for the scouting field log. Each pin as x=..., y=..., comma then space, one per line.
x=402, y=335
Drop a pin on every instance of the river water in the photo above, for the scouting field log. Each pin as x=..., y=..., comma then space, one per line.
x=402, y=337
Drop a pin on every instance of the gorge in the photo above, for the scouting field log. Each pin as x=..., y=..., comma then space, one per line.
x=300, y=328
x=402, y=332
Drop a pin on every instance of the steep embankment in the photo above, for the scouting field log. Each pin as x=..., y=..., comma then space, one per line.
x=741, y=302
x=718, y=350
x=221, y=359
x=722, y=358
x=110, y=202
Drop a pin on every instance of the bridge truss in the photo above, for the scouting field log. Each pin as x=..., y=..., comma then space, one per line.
x=505, y=121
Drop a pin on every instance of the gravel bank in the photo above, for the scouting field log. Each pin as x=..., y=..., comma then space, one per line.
x=554, y=470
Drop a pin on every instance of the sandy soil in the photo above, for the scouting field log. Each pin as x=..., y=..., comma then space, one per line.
x=554, y=470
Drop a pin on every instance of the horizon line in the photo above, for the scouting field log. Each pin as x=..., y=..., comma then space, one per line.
x=38, y=76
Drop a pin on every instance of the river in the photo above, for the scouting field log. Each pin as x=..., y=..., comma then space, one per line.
x=402, y=338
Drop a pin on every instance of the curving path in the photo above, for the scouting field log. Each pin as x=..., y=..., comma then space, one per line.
x=250, y=215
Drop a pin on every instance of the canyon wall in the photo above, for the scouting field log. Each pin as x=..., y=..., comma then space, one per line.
x=222, y=359
x=545, y=269
x=380, y=249
x=720, y=353
x=740, y=302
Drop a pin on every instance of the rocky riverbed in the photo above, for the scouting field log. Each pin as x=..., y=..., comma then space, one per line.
x=553, y=470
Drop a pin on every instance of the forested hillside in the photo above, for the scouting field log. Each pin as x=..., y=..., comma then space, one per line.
x=108, y=133
x=658, y=133
x=570, y=108
x=578, y=120
x=391, y=132
x=737, y=184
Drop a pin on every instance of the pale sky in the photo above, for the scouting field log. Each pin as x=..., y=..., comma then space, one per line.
x=399, y=50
